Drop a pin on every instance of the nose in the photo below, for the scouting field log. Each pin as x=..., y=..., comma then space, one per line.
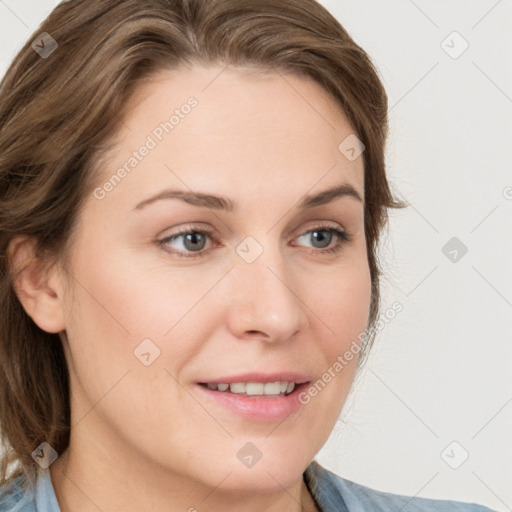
x=265, y=299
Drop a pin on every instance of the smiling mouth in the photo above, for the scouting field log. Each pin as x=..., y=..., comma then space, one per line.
x=270, y=389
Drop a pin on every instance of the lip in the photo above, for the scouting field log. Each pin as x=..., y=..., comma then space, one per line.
x=298, y=378
x=257, y=407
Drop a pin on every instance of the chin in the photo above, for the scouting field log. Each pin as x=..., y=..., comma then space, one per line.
x=260, y=478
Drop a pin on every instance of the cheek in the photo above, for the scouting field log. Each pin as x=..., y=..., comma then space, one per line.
x=339, y=297
x=343, y=308
x=345, y=301
x=122, y=298
x=132, y=298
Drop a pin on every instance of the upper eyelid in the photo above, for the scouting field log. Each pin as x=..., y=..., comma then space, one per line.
x=308, y=226
x=212, y=232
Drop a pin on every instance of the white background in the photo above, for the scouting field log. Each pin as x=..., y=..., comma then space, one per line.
x=440, y=371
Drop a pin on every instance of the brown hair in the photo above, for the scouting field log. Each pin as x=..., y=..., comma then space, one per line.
x=57, y=112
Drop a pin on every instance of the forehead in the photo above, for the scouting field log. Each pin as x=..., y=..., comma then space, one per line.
x=246, y=132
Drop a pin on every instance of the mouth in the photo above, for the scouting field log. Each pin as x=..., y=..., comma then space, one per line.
x=258, y=389
x=256, y=396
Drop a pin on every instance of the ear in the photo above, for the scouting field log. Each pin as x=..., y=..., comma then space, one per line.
x=38, y=288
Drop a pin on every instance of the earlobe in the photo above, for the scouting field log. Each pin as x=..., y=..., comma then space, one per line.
x=38, y=288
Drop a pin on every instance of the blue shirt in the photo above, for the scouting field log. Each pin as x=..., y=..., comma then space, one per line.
x=331, y=492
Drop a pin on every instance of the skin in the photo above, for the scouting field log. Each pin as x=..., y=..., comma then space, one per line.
x=143, y=437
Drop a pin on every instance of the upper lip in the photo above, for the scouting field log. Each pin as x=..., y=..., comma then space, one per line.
x=298, y=378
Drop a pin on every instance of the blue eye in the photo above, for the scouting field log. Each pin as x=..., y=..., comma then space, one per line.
x=318, y=235
x=193, y=241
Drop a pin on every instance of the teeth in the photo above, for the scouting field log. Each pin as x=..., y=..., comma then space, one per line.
x=237, y=387
x=272, y=388
x=255, y=388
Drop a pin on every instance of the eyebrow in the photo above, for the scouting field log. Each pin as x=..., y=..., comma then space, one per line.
x=224, y=203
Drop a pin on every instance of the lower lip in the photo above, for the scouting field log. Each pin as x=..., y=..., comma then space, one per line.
x=257, y=408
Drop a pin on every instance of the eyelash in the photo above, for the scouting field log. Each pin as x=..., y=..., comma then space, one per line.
x=342, y=236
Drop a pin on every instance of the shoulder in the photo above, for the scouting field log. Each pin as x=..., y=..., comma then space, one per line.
x=335, y=493
x=16, y=496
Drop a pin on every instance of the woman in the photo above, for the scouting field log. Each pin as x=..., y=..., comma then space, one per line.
x=192, y=194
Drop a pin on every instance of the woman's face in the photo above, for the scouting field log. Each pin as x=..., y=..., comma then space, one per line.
x=251, y=294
